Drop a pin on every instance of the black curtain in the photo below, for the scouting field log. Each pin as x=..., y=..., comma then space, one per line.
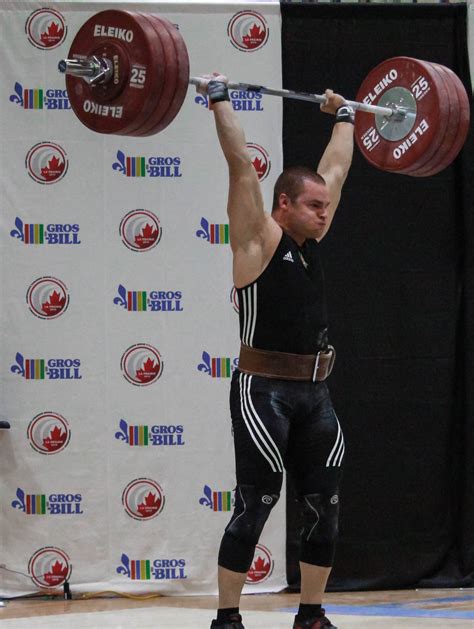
x=399, y=267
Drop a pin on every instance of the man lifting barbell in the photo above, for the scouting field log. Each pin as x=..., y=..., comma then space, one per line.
x=282, y=415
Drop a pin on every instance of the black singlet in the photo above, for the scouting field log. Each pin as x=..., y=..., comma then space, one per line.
x=285, y=308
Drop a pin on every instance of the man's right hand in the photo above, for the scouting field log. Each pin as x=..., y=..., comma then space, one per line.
x=201, y=88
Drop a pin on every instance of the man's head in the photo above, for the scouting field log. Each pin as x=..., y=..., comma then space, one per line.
x=300, y=203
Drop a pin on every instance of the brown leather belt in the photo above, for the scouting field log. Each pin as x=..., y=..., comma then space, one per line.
x=312, y=367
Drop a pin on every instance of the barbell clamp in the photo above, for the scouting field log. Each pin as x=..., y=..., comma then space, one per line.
x=93, y=70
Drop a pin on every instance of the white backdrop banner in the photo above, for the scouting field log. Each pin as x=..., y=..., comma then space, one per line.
x=119, y=323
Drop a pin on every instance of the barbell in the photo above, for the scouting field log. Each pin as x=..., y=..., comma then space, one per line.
x=127, y=73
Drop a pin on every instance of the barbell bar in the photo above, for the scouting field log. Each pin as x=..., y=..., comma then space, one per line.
x=127, y=73
x=97, y=71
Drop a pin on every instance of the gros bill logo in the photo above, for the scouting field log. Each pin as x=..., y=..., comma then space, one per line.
x=47, y=297
x=248, y=31
x=48, y=433
x=46, y=163
x=40, y=98
x=49, y=567
x=46, y=234
x=147, y=569
x=46, y=29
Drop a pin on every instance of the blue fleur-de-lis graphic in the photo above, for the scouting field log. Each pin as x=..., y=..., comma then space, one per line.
x=120, y=165
x=206, y=500
x=18, y=96
x=204, y=232
x=123, y=435
x=206, y=364
x=19, y=367
x=121, y=300
x=201, y=100
x=125, y=567
x=20, y=503
x=18, y=232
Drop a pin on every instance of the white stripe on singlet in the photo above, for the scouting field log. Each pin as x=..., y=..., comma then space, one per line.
x=249, y=303
x=256, y=428
x=337, y=452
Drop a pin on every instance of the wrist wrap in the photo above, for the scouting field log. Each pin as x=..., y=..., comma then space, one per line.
x=217, y=91
x=345, y=113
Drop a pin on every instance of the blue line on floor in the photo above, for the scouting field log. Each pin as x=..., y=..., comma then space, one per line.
x=392, y=610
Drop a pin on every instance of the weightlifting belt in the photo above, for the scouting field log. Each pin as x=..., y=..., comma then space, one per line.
x=310, y=367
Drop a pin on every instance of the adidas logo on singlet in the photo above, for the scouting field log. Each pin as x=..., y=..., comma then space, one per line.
x=288, y=256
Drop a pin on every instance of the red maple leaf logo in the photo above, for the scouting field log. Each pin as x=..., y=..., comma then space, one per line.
x=260, y=166
x=259, y=570
x=254, y=37
x=57, y=575
x=149, y=371
x=52, y=36
x=56, y=439
x=150, y=506
x=147, y=237
x=54, y=305
x=53, y=170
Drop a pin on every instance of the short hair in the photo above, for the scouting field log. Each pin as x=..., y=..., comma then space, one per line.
x=291, y=182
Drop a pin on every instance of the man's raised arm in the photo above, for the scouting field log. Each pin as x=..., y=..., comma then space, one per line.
x=337, y=158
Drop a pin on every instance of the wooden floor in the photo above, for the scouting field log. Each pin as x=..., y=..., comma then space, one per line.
x=394, y=609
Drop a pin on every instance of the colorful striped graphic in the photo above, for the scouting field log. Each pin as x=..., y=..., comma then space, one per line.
x=222, y=501
x=136, y=300
x=33, y=99
x=33, y=234
x=220, y=368
x=140, y=569
x=219, y=234
x=136, y=167
x=34, y=368
x=35, y=504
x=138, y=435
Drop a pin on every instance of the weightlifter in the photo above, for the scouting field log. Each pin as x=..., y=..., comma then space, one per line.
x=282, y=414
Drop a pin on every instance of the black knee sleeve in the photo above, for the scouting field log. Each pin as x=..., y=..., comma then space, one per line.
x=252, y=508
x=320, y=528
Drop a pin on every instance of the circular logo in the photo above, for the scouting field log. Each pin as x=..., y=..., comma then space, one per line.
x=141, y=364
x=47, y=298
x=335, y=499
x=48, y=433
x=260, y=160
x=267, y=500
x=248, y=31
x=143, y=499
x=140, y=230
x=262, y=565
x=49, y=567
x=234, y=299
x=46, y=29
x=46, y=163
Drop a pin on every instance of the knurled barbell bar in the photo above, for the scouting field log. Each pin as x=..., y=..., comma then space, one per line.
x=128, y=74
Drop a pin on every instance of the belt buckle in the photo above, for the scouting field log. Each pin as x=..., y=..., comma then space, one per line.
x=316, y=365
x=330, y=350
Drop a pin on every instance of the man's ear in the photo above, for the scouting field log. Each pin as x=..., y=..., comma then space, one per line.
x=283, y=200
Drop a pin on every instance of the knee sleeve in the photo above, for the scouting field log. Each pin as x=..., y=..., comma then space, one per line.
x=320, y=528
x=252, y=508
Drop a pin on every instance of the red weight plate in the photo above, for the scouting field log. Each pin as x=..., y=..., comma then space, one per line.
x=410, y=81
x=126, y=100
x=463, y=114
x=169, y=67
x=182, y=79
x=439, y=160
x=444, y=121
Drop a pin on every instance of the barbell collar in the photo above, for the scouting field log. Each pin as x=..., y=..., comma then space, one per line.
x=94, y=70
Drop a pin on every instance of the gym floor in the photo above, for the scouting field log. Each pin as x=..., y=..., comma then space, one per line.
x=404, y=609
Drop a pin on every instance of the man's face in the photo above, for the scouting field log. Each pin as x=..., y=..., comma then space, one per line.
x=308, y=214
